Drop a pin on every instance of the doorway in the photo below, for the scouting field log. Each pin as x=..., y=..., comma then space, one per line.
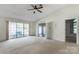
x=42, y=30
x=71, y=30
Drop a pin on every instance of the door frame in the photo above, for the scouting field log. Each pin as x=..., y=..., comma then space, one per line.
x=76, y=33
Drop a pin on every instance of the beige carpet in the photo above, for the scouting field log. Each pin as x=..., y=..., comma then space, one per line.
x=36, y=45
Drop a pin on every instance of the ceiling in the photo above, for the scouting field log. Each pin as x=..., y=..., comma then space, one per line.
x=20, y=11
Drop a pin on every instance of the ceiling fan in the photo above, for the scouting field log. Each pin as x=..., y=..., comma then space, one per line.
x=36, y=7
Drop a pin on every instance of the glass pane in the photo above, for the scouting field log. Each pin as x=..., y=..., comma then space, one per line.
x=75, y=20
x=12, y=30
x=19, y=30
x=40, y=31
x=75, y=26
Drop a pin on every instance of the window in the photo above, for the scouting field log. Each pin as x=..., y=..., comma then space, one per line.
x=26, y=32
x=40, y=31
x=17, y=30
x=75, y=26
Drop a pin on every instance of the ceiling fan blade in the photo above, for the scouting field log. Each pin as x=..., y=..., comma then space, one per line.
x=34, y=12
x=30, y=9
x=39, y=10
x=41, y=5
x=33, y=5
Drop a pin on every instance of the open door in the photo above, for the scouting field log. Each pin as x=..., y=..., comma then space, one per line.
x=71, y=30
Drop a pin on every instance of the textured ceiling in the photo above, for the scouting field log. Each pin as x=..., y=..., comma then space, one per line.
x=20, y=11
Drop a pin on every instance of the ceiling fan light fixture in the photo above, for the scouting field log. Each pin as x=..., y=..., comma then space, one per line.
x=36, y=7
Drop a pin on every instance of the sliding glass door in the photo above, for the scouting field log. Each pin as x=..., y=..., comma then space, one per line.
x=26, y=30
x=12, y=30
x=17, y=30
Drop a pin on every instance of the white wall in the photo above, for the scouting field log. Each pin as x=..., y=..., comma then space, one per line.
x=58, y=18
x=49, y=30
x=2, y=30
x=32, y=29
